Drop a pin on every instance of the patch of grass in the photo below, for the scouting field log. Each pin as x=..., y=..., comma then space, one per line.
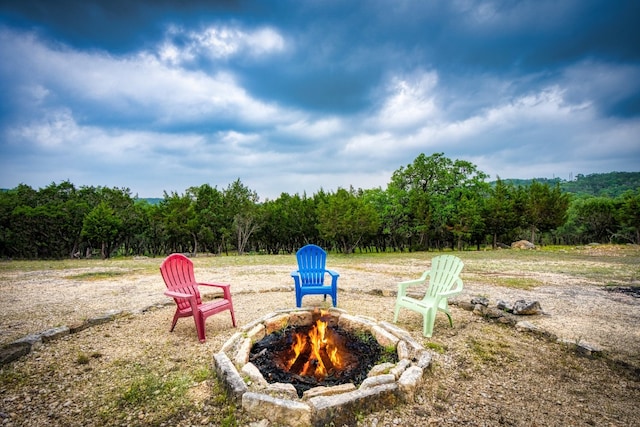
x=8, y=375
x=96, y=275
x=160, y=397
x=202, y=374
x=524, y=283
x=389, y=354
x=230, y=419
x=489, y=351
x=219, y=394
x=519, y=281
x=150, y=388
x=82, y=359
x=437, y=347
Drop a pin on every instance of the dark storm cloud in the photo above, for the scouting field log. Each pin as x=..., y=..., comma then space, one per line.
x=291, y=96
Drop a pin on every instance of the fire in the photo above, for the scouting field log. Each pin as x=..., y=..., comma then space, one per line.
x=318, y=352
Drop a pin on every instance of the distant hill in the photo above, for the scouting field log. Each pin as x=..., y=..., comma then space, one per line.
x=151, y=200
x=610, y=184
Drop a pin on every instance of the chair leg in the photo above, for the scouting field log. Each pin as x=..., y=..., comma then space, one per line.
x=175, y=320
x=396, y=311
x=450, y=319
x=429, y=320
x=233, y=317
x=200, y=326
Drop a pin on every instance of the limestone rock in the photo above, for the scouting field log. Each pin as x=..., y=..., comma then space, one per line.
x=523, y=244
x=526, y=307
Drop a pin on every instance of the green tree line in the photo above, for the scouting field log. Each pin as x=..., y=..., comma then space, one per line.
x=433, y=203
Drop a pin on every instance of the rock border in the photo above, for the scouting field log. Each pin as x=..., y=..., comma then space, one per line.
x=387, y=384
x=21, y=347
x=480, y=307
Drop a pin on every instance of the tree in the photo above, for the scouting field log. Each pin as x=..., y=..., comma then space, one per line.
x=286, y=223
x=345, y=219
x=466, y=218
x=102, y=226
x=596, y=219
x=122, y=204
x=500, y=213
x=426, y=190
x=210, y=216
x=629, y=214
x=180, y=225
x=545, y=208
x=240, y=206
x=388, y=232
x=15, y=228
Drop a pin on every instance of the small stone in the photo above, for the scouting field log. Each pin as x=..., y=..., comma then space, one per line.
x=380, y=369
x=505, y=306
x=480, y=300
x=523, y=307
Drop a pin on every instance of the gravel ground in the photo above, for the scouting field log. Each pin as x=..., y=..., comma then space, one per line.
x=484, y=374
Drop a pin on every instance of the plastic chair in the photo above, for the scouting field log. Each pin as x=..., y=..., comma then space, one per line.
x=444, y=282
x=309, y=278
x=177, y=272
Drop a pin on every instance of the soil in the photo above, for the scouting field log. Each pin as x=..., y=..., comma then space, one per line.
x=483, y=373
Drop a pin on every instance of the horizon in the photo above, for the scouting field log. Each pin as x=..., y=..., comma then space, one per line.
x=261, y=199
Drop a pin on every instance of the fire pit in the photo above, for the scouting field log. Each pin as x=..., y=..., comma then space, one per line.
x=306, y=367
x=319, y=354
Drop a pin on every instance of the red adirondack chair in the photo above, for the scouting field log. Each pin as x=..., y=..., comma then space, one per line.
x=177, y=272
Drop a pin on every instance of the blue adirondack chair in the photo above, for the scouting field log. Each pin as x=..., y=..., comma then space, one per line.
x=309, y=278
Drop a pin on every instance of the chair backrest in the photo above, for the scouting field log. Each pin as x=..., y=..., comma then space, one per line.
x=177, y=272
x=445, y=270
x=312, y=261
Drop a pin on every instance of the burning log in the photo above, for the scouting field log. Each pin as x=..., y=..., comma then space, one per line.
x=318, y=354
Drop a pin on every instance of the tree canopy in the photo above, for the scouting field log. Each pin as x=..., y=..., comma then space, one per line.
x=433, y=203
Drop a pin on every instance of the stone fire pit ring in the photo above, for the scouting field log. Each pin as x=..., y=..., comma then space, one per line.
x=386, y=385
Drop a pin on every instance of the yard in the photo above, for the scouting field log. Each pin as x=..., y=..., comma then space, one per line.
x=132, y=371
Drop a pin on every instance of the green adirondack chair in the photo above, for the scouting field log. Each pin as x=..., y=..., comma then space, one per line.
x=444, y=282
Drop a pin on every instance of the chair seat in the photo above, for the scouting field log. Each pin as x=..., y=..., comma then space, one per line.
x=214, y=306
x=424, y=303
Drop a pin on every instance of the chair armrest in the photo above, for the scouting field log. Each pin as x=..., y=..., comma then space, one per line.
x=402, y=286
x=226, y=288
x=334, y=277
x=454, y=291
x=192, y=298
x=217, y=285
x=295, y=273
x=174, y=294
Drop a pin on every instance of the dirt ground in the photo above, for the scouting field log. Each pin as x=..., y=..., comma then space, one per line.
x=483, y=374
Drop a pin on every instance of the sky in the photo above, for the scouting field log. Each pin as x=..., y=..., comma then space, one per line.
x=295, y=96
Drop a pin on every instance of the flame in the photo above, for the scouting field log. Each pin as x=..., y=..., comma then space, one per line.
x=320, y=341
x=298, y=348
x=316, y=335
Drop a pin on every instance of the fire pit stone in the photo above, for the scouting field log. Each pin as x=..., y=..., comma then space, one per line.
x=385, y=385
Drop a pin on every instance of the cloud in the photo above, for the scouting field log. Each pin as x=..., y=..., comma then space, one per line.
x=183, y=47
x=410, y=102
x=134, y=88
x=298, y=96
